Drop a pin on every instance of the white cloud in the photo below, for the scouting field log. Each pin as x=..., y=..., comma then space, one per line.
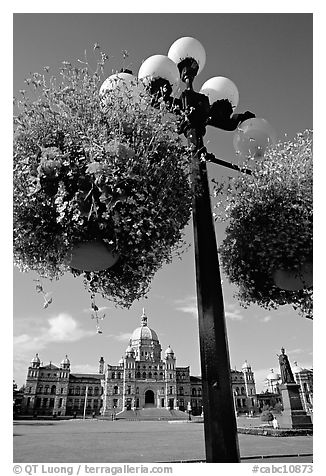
x=60, y=328
x=122, y=337
x=266, y=318
x=188, y=305
x=233, y=312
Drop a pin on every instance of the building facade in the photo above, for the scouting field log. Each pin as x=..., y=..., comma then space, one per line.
x=142, y=378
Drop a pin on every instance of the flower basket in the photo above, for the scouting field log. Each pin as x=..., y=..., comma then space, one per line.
x=267, y=251
x=101, y=188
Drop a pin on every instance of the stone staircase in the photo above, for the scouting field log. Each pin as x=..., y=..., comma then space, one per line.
x=151, y=414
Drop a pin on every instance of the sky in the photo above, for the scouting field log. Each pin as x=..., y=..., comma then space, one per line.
x=270, y=59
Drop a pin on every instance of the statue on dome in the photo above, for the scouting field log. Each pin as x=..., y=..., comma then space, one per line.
x=286, y=372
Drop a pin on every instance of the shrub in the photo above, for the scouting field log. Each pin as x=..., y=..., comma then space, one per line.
x=266, y=416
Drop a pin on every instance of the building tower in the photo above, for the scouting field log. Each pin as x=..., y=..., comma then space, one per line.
x=250, y=385
x=170, y=379
x=101, y=366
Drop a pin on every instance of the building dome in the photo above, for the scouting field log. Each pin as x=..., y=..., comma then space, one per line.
x=143, y=332
x=130, y=350
x=169, y=351
x=246, y=366
x=273, y=375
x=35, y=360
x=296, y=369
x=65, y=361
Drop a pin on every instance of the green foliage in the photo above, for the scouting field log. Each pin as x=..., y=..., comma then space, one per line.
x=90, y=168
x=270, y=225
x=266, y=416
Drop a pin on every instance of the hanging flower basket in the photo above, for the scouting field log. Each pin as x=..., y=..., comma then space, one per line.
x=101, y=188
x=267, y=251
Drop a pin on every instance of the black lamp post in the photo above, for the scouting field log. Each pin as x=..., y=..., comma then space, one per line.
x=219, y=417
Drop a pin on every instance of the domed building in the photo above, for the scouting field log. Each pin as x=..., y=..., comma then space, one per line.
x=144, y=378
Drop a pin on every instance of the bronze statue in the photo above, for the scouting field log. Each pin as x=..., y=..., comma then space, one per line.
x=286, y=372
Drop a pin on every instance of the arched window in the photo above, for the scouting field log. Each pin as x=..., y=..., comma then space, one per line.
x=150, y=375
x=161, y=374
x=46, y=390
x=83, y=391
x=144, y=374
x=242, y=391
x=77, y=391
x=129, y=375
x=116, y=390
x=199, y=392
x=237, y=391
x=119, y=375
x=138, y=375
x=90, y=390
x=155, y=375
x=53, y=389
x=193, y=392
x=96, y=391
x=113, y=375
x=40, y=389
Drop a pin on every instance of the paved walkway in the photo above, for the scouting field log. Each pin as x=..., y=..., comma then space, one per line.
x=99, y=441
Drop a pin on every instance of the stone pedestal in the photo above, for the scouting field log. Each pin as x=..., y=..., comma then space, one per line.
x=293, y=416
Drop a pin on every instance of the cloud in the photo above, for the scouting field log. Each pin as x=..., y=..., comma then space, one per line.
x=233, y=312
x=188, y=305
x=122, y=337
x=266, y=318
x=60, y=328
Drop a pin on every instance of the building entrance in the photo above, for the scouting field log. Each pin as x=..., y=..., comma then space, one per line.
x=149, y=398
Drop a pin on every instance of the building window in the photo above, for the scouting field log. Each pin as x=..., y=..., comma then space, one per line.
x=96, y=391
x=40, y=389
x=181, y=391
x=53, y=389
x=138, y=375
x=113, y=375
x=77, y=392
x=129, y=390
x=155, y=375
x=83, y=391
x=60, y=403
x=129, y=375
x=61, y=390
x=119, y=375
x=51, y=404
x=171, y=390
x=137, y=390
x=242, y=391
x=150, y=375
x=45, y=401
x=90, y=391
x=193, y=392
x=28, y=402
x=144, y=374
x=115, y=403
x=115, y=389
x=46, y=390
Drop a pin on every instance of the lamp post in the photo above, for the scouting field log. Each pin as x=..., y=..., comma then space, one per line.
x=221, y=439
x=213, y=106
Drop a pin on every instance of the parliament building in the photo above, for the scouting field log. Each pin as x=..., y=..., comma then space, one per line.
x=142, y=379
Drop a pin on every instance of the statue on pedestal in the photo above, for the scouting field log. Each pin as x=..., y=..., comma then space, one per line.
x=286, y=372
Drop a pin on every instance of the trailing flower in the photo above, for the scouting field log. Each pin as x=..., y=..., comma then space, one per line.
x=91, y=170
x=270, y=227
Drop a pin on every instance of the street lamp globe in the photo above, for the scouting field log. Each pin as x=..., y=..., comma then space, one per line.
x=159, y=69
x=123, y=84
x=187, y=49
x=252, y=138
x=218, y=88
